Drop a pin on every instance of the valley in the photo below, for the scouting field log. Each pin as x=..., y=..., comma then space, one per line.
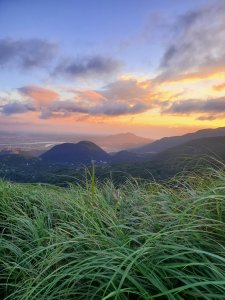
x=69, y=162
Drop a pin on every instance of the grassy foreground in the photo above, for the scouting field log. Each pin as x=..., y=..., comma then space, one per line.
x=146, y=241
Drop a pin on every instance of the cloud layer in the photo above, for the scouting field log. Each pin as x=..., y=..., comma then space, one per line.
x=122, y=97
x=197, y=43
x=29, y=54
x=87, y=67
x=210, y=109
x=16, y=108
x=26, y=53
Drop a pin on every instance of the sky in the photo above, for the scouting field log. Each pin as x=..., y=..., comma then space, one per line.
x=152, y=67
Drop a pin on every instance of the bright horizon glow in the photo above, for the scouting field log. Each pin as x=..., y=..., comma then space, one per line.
x=154, y=68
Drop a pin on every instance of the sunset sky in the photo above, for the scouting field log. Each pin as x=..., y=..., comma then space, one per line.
x=152, y=67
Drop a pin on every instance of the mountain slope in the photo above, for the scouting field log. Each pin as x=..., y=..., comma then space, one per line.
x=81, y=153
x=204, y=147
x=169, y=142
x=192, y=156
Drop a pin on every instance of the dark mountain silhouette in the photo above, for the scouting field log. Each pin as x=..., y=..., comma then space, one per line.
x=81, y=153
x=169, y=142
x=192, y=155
x=200, y=148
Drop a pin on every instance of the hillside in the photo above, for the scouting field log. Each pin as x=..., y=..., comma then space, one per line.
x=169, y=142
x=199, y=148
x=81, y=153
x=147, y=241
x=190, y=156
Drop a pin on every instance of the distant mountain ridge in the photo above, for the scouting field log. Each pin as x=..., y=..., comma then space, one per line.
x=120, y=141
x=169, y=142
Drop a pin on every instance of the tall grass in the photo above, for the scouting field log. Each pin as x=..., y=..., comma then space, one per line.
x=147, y=241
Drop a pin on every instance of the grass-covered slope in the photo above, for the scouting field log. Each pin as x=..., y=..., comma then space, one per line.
x=139, y=242
x=195, y=155
x=173, y=141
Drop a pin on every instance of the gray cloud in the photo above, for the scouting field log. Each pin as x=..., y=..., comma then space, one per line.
x=195, y=105
x=16, y=108
x=87, y=66
x=197, y=43
x=70, y=106
x=26, y=53
x=33, y=53
x=125, y=90
x=211, y=109
x=120, y=108
x=65, y=108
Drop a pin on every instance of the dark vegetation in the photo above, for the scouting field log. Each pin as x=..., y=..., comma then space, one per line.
x=65, y=164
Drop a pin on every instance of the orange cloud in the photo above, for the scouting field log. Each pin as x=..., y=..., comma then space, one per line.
x=219, y=87
x=122, y=97
x=89, y=96
x=216, y=73
x=42, y=96
x=124, y=103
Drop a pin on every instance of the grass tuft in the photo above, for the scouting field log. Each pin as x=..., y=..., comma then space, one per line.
x=141, y=241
